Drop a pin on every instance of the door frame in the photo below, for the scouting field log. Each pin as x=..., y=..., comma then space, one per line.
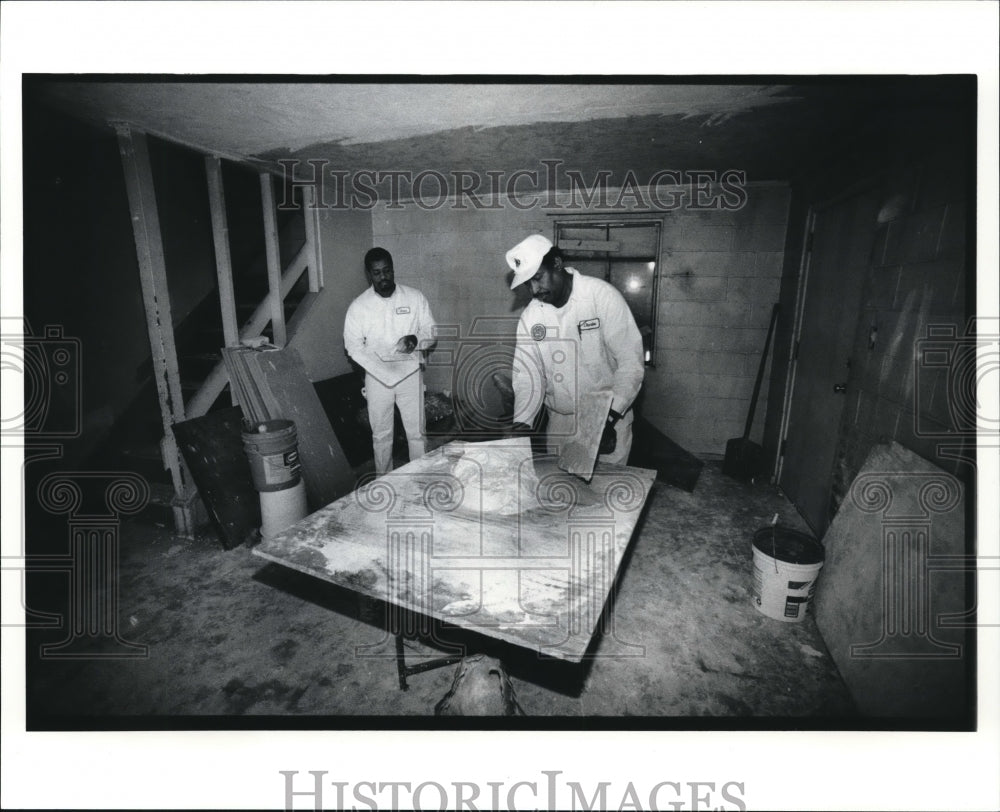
x=594, y=221
x=793, y=355
x=802, y=291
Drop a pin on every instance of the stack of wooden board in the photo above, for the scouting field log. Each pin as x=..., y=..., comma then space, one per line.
x=347, y=411
x=244, y=384
x=271, y=383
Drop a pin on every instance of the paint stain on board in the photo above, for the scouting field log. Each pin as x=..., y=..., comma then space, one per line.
x=308, y=558
x=365, y=578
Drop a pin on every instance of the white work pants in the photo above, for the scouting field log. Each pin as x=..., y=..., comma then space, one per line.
x=408, y=395
x=562, y=427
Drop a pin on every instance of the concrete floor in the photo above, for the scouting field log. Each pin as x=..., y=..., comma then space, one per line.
x=233, y=636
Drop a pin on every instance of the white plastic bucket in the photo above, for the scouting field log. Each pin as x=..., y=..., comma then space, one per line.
x=786, y=565
x=281, y=509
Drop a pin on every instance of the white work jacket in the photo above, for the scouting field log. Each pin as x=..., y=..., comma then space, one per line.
x=590, y=343
x=374, y=325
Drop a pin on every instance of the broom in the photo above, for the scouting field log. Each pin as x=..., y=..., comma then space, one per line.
x=744, y=459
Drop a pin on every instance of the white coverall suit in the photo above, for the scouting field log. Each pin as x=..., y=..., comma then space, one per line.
x=590, y=343
x=372, y=328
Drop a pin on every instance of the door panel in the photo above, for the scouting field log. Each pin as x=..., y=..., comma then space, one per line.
x=837, y=267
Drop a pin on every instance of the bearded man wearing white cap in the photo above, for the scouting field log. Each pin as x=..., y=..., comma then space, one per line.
x=385, y=330
x=576, y=336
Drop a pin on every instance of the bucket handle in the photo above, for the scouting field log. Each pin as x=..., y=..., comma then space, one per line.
x=774, y=548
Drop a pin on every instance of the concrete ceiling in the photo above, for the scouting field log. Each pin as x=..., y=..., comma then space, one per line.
x=255, y=119
x=767, y=130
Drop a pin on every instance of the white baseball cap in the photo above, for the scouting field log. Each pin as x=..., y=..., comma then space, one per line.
x=525, y=258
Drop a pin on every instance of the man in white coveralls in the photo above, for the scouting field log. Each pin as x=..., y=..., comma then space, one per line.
x=576, y=336
x=385, y=330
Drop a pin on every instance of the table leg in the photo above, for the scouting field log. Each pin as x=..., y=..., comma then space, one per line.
x=401, y=662
x=404, y=670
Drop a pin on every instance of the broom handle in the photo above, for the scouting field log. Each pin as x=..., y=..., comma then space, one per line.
x=760, y=371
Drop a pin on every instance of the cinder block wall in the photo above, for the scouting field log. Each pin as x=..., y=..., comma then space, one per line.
x=917, y=281
x=719, y=274
x=344, y=237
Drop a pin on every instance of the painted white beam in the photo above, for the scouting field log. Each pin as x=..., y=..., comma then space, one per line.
x=310, y=214
x=223, y=259
x=273, y=254
x=138, y=172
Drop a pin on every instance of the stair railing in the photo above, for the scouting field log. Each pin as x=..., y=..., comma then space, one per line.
x=152, y=268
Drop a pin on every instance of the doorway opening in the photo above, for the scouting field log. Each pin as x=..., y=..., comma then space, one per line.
x=624, y=254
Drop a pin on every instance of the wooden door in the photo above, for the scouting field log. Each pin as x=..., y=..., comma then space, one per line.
x=835, y=268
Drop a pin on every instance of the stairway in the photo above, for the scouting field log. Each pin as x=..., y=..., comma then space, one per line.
x=134, y=442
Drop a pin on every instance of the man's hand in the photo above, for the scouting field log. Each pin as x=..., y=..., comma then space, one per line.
x=406, y=344
x=609, y=438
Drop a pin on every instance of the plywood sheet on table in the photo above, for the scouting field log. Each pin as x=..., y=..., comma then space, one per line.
x=890, y=597
x=482, y=536
x=579, y=454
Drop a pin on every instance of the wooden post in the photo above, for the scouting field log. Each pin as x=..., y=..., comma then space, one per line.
x=311, y=214
x=153, y=276
x=223, y=260
x=273, y=260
